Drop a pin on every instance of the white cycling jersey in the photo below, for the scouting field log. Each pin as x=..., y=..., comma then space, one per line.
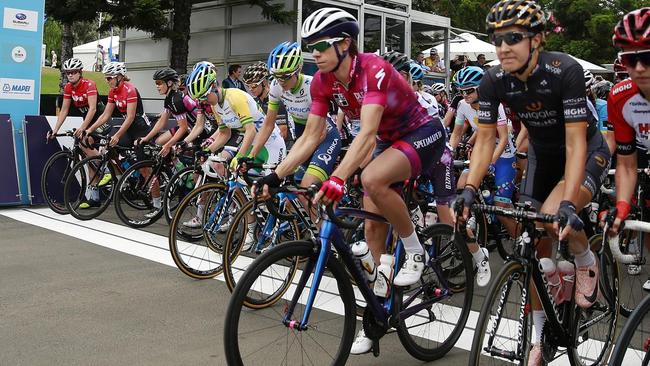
x=297, y=101
x=465, y=113
x=429, y=102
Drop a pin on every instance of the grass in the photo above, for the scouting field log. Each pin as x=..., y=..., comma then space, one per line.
x=50, y=81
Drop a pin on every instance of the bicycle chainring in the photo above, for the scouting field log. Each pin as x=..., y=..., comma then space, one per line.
x=371, y=327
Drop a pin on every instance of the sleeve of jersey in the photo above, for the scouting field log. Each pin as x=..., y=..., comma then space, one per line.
x=111, y=96
x=92, y=88
x=239, y=104
x=67, y=91
x=488, y=102
x=502, y=120
x=624, y=134
x=132, y=96
x=274, y=98
x=574, y=97
x=377, y=80
x=460, y=117
x=319, y=100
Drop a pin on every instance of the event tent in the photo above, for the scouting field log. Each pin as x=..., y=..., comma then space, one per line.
x=466, y=44
x=87, y=52
x=586, y=65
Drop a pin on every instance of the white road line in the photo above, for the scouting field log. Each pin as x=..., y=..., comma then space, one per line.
x=156, y=248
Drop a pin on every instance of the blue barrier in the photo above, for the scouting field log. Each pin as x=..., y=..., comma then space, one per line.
x=39, y=150
x=9, y=191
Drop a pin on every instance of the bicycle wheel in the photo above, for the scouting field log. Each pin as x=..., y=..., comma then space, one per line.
x=239, y=261
x=433, y=330
x=180, y=185
x=596, y=326
x=193, y=254
x=56, y=169
x=84, y=181
x=261, y=337
x=631, y=346
x=503, y=329
x=133, y=198
x=632, y=275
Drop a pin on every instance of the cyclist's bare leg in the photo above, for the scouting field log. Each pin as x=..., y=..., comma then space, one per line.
x=308, y=180
x=375, y=231
x=445, y=214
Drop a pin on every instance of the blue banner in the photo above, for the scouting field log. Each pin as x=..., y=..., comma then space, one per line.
x=21, y=38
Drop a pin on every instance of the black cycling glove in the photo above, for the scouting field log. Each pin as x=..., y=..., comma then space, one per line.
x=567, y=215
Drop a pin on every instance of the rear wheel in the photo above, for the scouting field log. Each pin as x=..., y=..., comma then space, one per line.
x=180, y=185
x=134, y=195
x=88, y=189
x=55, y=171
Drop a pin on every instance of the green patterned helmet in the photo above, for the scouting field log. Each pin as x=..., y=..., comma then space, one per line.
x=285, y=58
x=201, y=80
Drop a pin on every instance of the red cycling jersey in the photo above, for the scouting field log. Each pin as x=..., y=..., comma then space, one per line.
x=125, y=94
x=80, y=93
x=629, y=113
x=372, y=81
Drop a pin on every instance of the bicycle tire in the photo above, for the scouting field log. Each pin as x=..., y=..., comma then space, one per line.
x=623, y=344
x=629, y=294
x=434, y=236
x=608, y=284
x=234, y=243
x=267, y=348
x=184, y=253
x=511, y=273
x=49, y=176
x=176, y=190
x=105, y=192
x=131, y=193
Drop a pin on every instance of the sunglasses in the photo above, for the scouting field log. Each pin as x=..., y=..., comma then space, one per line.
x=468, y=91
x=255, y=85
x=511, y=38
x=630, y=59
x=72, y=72
x=285, y=77
x=159, y=82
x=109, y=78
x=323, y=45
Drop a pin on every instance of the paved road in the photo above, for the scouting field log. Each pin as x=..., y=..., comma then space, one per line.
x=79, y=293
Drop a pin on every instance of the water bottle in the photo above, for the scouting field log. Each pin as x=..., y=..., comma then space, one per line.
x=384, y=275
x=567, y=275
x=362, y=253
x=552, y=278
x=417, y=216
x=178, y=165
x=593, y=212
x=487, y=195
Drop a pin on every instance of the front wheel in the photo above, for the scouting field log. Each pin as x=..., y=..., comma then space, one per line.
x=134, y=201
x=631, y=344
x=260, y=337
x=56, y=169
x=88, y=189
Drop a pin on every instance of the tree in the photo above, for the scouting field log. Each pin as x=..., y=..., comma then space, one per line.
x=52, y=36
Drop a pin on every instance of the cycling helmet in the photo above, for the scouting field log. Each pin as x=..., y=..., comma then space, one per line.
x=285, y=58
x=437, y=88
x=416, y=71
x=618, y=66
x=469, y=76
x=329, y=22
x=399, y=61
x=523, y=13
x=601, y=89
x=73, y=64
x=589, y=79
x=633, y=30
x=205, y=63
x=201, y=80
x=255, y=73
x=166, y=74
x=115, y=68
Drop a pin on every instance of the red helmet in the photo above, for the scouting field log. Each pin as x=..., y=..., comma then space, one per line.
x=618, y=66
x=633, y=30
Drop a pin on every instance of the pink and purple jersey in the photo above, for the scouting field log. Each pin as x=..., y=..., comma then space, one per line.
x=372, y=81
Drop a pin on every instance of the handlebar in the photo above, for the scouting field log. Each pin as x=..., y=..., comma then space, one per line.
x=614, y=241
x=516, y=213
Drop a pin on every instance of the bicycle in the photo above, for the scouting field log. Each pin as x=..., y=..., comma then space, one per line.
x=307, y=329
x=188, y=176
x=504, y=325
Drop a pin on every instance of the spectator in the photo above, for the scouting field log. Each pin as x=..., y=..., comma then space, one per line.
x=458, y=63
x=53, y=59
x=480, y=61
x=419, y=59
x=433, y=62
x=233, y=79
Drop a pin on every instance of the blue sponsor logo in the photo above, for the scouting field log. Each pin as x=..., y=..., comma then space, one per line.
x=21, y=16
x=6, y=88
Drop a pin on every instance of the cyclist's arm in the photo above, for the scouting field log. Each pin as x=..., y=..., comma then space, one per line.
x=363, y=143
x=456, y=134
x=265, y=131
x=130, y=117
x=63, y=114
x=197, y=129
x=180, y=132
x=249, y=136
x=92, y=109
x=502, y=131
x=576, y=151
x=449, y=117
x=522, y=140
x=611, y=141
x=221, y=137
x=160, y=123
x=304, y=146
x=626, y=166
x=108, y=112
x=481, y=154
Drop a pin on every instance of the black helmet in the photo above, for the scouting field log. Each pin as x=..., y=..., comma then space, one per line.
x=166, y=74
x=524, y=13
x=601, y=89
x=399, y=61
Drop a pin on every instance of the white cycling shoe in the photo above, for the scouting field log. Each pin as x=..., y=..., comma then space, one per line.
x=483, y=271
x=411, y=270
x=361, y=344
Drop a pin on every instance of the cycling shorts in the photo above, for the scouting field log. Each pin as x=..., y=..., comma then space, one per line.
x=441, y=175
x=505, y=173
x=324, y=158
x=423, y=147
x=543, y=173
x=139, y=128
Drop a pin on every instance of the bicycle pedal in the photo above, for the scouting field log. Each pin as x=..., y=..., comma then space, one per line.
x=375, y=347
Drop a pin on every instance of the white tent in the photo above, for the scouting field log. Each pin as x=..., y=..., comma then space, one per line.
x=466, y=44
x=87, y=53
x=586, y=65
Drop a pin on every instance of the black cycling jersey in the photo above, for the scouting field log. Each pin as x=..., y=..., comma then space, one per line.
x=181, y=106
x=455, y=101
x=553, y=96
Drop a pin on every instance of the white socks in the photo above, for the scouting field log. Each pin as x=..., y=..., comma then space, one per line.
x=479, y=256
x=412, y=244
x=585, y=259
x=539, y=318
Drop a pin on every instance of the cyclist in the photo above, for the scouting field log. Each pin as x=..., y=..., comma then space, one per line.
x=628, y=108
x=439, y=91
x=235, y=110
x=366, y=87
x=291, y=88
x=567, y=156
x=620, y=72
x=416, y=74
x=80, y=94
x=598, y=108
x=256, y=80
x=206, y=123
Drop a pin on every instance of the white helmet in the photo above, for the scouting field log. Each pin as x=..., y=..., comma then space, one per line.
x=115, y=68
x=207, y=63
x=438, y=88
x=329, y=22
x=72, y=64
x=589, y=79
